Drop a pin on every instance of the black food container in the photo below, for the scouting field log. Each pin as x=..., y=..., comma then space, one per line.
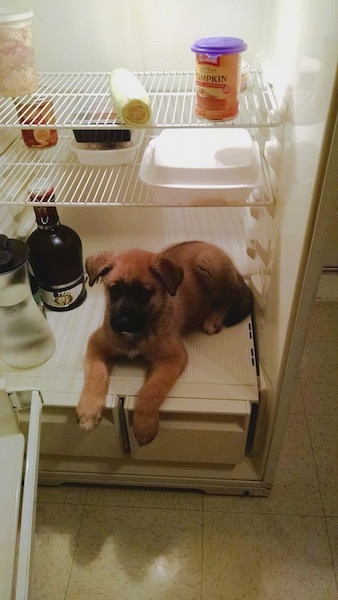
x=111, y=133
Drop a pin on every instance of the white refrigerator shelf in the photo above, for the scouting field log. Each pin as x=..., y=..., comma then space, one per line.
x=76, y=95
x=220, y=366
x=82, y=185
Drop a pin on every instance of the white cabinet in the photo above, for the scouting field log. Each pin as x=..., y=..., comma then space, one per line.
x=61, y=435
x=195, y=431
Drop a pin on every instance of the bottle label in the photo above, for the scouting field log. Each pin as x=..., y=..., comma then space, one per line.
x=62, y=296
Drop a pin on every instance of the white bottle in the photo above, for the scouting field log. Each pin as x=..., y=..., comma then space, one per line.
x=26, y=339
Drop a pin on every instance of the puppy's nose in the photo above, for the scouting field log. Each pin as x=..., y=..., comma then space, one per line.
x=126, y=323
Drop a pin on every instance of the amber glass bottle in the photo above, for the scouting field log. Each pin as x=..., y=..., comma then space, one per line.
x=55, y=253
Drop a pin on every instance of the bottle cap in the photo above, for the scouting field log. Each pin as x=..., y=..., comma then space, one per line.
x=8, y=18
x=13, y=253
x=40, y=189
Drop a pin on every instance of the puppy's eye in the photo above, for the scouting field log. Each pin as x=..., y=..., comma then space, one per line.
x=117, y=290
x=142, y=295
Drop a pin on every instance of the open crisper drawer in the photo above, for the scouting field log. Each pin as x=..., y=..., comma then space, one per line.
x=61, y=435
x=195, y=431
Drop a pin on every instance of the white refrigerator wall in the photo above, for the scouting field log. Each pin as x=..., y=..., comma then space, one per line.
x=81, y=35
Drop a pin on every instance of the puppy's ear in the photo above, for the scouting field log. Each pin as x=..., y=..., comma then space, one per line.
x=168, y=272
x=98, y=265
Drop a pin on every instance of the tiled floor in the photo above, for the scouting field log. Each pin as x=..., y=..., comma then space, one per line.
x=94, y=543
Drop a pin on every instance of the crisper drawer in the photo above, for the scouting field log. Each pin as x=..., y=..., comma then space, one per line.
x=61, y=435
x=195, y=430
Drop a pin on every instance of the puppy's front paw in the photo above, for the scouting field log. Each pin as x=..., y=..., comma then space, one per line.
x=88, y=416
x=145, y=427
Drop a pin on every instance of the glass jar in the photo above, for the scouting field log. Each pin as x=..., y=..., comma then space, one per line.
x=18, y=75
x=26, y=339
x=38, y=112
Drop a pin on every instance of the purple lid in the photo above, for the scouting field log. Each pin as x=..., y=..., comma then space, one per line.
x=215, y=46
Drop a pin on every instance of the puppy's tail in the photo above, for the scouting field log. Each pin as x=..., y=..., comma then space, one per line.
x=241, y=306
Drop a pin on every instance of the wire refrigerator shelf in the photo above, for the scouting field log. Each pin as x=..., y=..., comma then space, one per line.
x=81, y=185
x=76, y=96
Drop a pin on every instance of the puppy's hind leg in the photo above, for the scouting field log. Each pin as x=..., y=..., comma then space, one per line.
x=215, y=320
x=230, y=297
x=98, y=364
x=232, y=312
x=241, y=306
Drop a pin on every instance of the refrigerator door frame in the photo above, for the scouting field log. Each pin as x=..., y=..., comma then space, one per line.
x=12, y=446
x=325, y=199
x=16, y=575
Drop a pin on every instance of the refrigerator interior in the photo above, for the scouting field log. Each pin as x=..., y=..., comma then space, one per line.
x=221, y=366
x=295, y=45
x=277, y=241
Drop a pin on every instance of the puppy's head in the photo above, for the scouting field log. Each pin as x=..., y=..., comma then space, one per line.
x=138, y=285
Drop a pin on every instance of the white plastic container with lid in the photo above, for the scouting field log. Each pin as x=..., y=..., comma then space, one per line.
x=18, y=75
x=101, y=155
x=211, y=166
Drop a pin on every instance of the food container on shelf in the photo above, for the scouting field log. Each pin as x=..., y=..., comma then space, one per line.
x=37, y=111
x=245, y=70
x=201, y=167
x=110, y=133
x=104, y=155
x=218, y=77
x=18, y=75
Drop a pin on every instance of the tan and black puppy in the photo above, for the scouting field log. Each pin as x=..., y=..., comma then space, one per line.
x=151, y=300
